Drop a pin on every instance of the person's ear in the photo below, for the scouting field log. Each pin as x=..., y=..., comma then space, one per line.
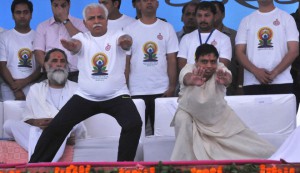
x=84, y=23
x=116, y=4
x=45, y=67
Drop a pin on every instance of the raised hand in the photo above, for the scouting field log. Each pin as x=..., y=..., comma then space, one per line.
x=125, y=42
x=223, y=77
x=196, y=78
x=71, y=45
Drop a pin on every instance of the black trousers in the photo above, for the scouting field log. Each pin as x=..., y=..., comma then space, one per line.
x=268, y=89
x=78, y=109
x=150, y=107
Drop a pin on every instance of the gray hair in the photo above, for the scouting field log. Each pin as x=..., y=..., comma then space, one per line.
x=94, y=5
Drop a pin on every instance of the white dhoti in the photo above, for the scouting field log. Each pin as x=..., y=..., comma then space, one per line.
x=207, y=128
x=27, y=136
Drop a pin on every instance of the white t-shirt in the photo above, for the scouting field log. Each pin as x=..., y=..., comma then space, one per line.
x=148, y=65
x=16, y=49
x=101, y=67
x=191, y=41
x=266, y=36
x=119, y=24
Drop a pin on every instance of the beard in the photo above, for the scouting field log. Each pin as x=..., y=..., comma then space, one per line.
x=57, y=76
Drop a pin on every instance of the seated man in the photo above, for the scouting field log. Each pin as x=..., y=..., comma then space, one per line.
x=43, y=102
x=206, y=128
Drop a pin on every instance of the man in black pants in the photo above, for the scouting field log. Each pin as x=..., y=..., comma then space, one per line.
x=101, y=88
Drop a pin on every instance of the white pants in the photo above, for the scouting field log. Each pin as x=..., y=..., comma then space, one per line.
x=27, y=136
x=183, y=149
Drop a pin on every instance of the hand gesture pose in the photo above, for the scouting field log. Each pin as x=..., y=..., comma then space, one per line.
x=72, y=45
x=223, y=77
x=125, y=42
x=196, y=78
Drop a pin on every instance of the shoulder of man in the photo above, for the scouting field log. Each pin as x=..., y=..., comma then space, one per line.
x=163, y=19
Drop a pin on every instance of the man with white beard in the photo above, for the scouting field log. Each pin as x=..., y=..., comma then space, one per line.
x=43, y=102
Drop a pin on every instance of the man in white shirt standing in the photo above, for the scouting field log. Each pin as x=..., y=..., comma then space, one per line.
x=116, y=20
x=101, y=88
x=267, y=43
x=205, y=34
x=151, y=67
x=17, y=63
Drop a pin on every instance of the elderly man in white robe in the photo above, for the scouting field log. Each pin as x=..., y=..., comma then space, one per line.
x=206, y=128
x=43, y=102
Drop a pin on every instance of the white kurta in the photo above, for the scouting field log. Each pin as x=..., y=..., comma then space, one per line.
x=38, y=107
x=207, y=128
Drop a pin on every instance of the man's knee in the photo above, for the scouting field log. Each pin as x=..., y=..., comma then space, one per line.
x=183, y=119
x=8, y=126
x=135, y=123
x=183, y=123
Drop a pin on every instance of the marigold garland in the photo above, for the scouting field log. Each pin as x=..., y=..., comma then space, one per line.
x=160, y=168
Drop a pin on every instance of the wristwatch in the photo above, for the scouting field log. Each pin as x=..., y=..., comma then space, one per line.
x=65, y=21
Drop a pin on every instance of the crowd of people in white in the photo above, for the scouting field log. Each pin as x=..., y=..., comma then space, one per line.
x=71, y=69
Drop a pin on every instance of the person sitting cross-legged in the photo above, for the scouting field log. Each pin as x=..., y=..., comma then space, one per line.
x=43, y=102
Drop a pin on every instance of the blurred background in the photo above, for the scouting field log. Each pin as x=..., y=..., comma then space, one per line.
x=168, y=9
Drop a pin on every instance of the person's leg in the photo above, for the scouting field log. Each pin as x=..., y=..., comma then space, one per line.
x=75, y=110
x=151, y=109
x=123, y=109
x=183, y=148
x=18, y=130
x=147, y=114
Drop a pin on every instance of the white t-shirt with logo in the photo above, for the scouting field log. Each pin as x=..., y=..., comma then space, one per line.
x=119, y=24
x=16, y=49
x=266, y=36
x=101, y=67
x=189, y=43
x=148, y=65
